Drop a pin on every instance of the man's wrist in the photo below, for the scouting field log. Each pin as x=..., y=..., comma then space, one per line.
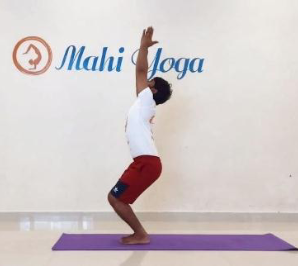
x=143, y=47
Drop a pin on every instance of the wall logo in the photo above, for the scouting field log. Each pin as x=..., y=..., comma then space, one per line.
x=32, y=55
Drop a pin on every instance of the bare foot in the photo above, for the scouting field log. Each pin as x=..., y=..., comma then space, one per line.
x=135, y=239
x=123, y=239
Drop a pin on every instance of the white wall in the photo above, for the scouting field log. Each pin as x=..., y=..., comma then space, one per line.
x=227, y=138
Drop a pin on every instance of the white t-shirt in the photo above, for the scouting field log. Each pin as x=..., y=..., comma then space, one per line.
x=138, y=126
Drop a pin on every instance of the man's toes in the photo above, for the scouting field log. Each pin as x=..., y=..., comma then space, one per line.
x=125, y=238
x=134, y=239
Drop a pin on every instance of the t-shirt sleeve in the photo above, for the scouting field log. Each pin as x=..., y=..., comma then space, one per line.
x=146, y=97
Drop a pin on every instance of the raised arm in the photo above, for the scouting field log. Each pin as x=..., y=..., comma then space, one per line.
x=142, y=61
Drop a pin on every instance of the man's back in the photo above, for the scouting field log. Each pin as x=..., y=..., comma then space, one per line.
x=138, y=127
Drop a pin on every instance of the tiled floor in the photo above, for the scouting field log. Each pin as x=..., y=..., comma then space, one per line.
x=26, y=239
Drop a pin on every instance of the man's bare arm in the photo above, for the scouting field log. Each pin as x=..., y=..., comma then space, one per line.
x=142, y=61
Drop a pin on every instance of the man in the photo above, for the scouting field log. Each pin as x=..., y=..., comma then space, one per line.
x=146, y=167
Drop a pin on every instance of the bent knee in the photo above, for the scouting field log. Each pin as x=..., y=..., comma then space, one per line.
x=111, y=199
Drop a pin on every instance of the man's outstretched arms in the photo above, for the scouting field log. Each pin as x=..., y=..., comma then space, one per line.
x=142, y=61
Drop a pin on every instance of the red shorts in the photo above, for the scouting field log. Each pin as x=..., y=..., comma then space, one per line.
x=140, y=174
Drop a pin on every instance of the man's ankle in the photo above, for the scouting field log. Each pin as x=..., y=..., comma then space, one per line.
x=141, y=232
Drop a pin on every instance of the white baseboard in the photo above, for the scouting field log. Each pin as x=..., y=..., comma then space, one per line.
x=160, y=216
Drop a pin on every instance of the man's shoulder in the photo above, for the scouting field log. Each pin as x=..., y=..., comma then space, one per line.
x=146, y=91
x=146, y=97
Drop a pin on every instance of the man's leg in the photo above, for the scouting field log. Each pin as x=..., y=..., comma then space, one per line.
x=126, y=213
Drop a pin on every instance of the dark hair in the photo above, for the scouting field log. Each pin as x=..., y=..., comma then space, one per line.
x=164, y=91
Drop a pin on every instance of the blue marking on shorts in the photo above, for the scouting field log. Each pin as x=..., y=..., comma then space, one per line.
x=119, y=189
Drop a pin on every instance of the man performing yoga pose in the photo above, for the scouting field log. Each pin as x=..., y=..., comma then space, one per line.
x=146, y=166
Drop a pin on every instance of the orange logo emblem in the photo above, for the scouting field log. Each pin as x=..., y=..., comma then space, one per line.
x=32, y=55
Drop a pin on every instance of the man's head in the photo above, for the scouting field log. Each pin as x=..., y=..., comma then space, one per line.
x=161, y=90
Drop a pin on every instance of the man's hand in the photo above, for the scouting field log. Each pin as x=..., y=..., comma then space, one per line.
x=142, y=61
x=146, y=40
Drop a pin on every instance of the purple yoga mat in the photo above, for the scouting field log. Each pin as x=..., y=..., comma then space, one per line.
x=266, y=242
